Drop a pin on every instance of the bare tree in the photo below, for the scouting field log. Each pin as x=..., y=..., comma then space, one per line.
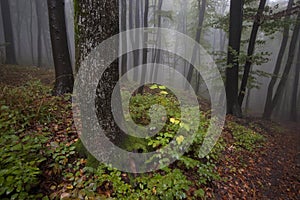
x=292, y=50
x=63, y=69
x=39, y=9
x=294, y=99
x=8, y=33
x=251, y=48
x=145, y=39
x=202, y=8
x=285, y=37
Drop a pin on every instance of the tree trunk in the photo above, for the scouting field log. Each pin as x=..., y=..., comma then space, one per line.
x=285, y=37
x=103, y=16
x=63, y=69
x=31, y=34
x=136, y=53
x=287, y=68
x=8, y=33
x=145, y=39
x=294, y=101
x=202, y=9
x=157, y=53
x=251, y=48
x=124, y=40
x=39, y=8
x=232, y=71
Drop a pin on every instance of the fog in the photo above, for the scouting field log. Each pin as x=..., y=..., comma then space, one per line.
x=179, y=15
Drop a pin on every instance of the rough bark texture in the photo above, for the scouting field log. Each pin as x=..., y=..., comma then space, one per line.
x=285, y=37
x=98, y=20
x=232, y=71
x=283, y=80
x=251, y=48
x=8, y=33
x=63, y=68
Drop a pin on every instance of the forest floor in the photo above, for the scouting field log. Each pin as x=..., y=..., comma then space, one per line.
x=269, y=172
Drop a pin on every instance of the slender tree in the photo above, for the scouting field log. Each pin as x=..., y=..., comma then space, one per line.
x=124, y=40
x=202, y=8
x=294, y=99
x=136, y=53
x=145, y=39
x=232, y=71
x=8, y=33
x=156, y=53
x=63, y=69
x=39, y=10
x=251, y=48
x=285, y=37
x=283, y=80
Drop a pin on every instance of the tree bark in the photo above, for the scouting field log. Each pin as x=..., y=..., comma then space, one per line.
x=136, y=53
x=232, y=71
x=102, y=16
x=251, y=48
x=294, y=114
x=124, y=40
x=31, y=34
x=8, y=33
x=63, y=69
x=145, y=39
x=156, y=52
x=287, y=69
x=285, y=37
x=202, y=9
x=38, y=9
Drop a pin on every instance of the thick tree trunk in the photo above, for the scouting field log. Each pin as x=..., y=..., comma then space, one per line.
x=285, y=37
x=8, y=33
x=291, y=55
x=102, y=16
x=63, y=69
x=232, y=71
x=251, y=48
x=294, y=101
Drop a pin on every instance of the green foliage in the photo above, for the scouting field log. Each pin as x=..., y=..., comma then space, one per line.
x=245, y=138
x=25, y=114
x=29, y=152
x=21, y=151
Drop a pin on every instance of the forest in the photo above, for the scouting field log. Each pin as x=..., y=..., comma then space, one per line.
x=149, y=99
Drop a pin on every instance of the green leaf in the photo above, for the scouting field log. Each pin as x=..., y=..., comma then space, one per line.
x=153, y=87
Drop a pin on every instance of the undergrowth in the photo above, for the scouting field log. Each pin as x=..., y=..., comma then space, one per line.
x=38, y=157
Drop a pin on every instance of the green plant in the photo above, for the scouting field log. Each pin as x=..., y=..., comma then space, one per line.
x=244, y=137
x=24, y=110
